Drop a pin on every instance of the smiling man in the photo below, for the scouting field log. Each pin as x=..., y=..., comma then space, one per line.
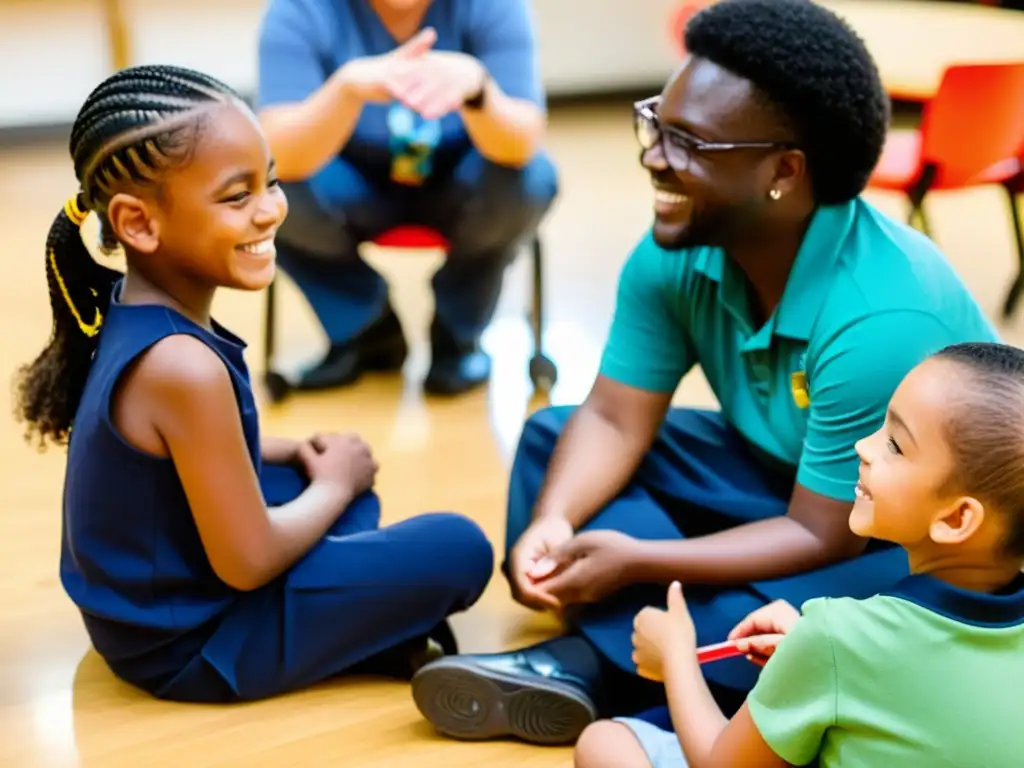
x=803, y=305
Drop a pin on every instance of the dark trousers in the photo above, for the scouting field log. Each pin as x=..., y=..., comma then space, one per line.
x=486, y=211
x=360, y=591
x=699, y=477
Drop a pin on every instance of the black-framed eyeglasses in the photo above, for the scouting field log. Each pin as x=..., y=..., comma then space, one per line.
x=680, y=146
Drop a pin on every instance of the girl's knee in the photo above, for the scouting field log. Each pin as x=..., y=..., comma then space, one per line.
x=608, y=744
x=463, y=546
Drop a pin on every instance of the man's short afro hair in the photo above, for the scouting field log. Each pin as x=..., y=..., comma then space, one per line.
x=816, y=70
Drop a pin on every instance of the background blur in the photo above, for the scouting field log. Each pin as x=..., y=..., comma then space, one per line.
x=59, y=706
x=52, y=52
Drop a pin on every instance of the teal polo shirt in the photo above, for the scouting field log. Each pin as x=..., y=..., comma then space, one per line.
x=923, y=676
x=868, y=298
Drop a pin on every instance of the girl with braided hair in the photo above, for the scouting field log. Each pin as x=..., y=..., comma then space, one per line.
x=210, y=564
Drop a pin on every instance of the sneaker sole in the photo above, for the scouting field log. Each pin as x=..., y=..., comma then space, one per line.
x=468, y=701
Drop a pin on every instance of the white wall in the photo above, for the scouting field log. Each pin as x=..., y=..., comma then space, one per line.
x=52, y=52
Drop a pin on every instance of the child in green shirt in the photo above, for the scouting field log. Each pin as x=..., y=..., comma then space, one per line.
x=927, y=675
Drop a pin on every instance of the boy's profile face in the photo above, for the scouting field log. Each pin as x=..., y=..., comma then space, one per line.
x=219, y=212
x=905, y=465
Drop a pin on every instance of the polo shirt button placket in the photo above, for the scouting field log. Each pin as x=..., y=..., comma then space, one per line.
x=762, y=380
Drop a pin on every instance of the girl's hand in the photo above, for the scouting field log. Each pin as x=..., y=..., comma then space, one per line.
x=760, y=632
x=342, y=461
x=660, y=636
x=279, y=450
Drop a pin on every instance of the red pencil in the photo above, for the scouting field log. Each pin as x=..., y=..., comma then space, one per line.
x=718, y=651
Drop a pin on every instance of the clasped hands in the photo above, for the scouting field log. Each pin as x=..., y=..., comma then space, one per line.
x=432, y=83
x=552, y=567
x=343, y=460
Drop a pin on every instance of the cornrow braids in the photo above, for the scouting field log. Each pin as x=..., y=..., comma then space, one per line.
x=985, y=430
x=133, y=126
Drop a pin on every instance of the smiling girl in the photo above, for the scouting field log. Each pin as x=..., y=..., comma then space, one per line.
x=208, y=564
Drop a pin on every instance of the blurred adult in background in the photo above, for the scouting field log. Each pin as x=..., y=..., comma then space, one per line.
x=389, y=112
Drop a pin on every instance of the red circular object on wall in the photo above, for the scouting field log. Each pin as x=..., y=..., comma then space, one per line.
x=680, y=18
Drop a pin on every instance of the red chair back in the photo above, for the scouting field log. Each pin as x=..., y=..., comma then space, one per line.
x=411, y=236
x=680, y=18
x=974, y=123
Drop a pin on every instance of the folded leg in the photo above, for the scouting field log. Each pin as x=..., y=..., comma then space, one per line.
x=360, y=591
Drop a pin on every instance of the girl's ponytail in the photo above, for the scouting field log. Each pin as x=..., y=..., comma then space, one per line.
x=50, y=387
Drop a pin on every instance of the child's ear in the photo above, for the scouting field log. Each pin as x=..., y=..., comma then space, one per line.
x=959, y=522
x=133, y=223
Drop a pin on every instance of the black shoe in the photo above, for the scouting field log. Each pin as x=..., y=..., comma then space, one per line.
x=404, y=660
x=526, y=694
x=381, y=347
x=456, y=375
x=455, y=367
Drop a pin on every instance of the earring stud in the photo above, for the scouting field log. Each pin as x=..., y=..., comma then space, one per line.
x=775, y=194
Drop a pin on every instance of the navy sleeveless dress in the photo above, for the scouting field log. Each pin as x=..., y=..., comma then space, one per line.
x=133, y=562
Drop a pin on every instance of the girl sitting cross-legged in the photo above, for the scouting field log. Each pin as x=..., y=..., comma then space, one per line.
x=210, y=564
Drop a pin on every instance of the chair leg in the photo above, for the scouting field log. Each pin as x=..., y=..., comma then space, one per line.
x=277, y=385
x=917, y=214
x=543, y=373
x=269, y=325
x=1013, y=294
x=537, y=313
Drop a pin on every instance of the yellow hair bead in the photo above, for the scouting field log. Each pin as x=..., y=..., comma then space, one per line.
x=74, y=212
x=77, y=216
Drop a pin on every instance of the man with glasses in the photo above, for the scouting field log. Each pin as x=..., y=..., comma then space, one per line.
x=804, y=307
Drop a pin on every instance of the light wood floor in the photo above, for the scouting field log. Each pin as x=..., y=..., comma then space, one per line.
x=59, y=706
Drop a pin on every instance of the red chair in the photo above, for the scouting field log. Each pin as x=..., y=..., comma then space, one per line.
x=543, y=372
x=971, y=134
x=680, y=18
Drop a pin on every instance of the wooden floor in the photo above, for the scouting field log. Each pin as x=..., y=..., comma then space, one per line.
x=59, y=706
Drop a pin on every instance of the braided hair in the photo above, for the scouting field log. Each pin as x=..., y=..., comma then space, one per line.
x=133, y=127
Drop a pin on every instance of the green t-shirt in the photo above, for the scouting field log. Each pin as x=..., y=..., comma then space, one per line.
x=868, y=299
x=924, y=676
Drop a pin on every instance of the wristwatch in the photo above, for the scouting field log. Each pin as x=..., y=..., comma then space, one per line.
x=477, y=100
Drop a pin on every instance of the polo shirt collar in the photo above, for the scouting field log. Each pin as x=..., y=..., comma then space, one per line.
x=814, y=270
x=809, y=280
x=710, y=262
x=1005, y=609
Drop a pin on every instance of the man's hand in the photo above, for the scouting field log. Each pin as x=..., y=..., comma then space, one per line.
x=438, y=83
x=373, y=79
x=589, y=567
x=432, y=83
x=527, y=560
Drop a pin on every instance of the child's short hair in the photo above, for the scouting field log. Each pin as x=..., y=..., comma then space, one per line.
x=985, y=430
x=131, y=128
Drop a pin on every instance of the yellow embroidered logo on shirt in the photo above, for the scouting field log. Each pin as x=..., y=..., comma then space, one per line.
x=798, y=383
